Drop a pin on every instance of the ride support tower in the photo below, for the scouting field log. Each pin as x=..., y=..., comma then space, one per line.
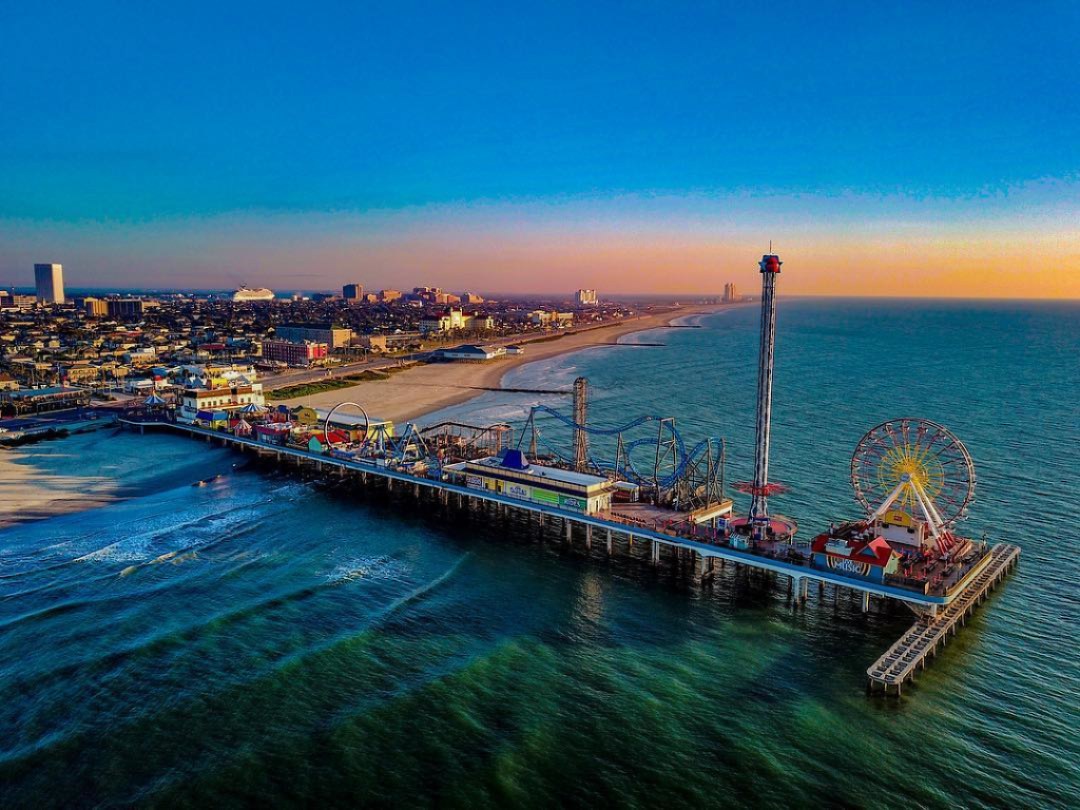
x=759, y=504
x=759, y=525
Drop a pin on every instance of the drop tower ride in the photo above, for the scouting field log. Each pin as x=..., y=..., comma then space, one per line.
x=759, y=526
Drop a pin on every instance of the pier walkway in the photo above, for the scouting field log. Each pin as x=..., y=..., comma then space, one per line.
x=900, y=662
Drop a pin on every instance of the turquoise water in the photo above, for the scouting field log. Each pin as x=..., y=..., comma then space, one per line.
x=269, y=639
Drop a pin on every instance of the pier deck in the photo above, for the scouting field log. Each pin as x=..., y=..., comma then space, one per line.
x=900, y=662
x=941, y=612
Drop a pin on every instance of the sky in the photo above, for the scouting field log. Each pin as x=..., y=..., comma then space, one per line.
x=916, y=149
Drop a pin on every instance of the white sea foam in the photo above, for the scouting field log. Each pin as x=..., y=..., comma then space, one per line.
x=376, y=568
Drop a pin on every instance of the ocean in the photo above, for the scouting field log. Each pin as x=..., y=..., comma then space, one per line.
x=266, y=639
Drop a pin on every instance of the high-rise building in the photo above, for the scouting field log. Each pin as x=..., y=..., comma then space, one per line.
x=730, y=295
x=49, y=280
x=585, y=298
x=352, y=292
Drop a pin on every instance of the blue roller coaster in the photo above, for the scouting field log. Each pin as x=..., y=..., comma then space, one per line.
x=673, y=464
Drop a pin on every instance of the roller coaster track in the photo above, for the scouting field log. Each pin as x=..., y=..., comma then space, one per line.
x=627, y=470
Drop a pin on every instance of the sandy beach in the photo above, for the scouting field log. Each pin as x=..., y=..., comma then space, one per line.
x=417, y=391
x=28, y=493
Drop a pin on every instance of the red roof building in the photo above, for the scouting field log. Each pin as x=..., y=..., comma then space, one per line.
x=870, y=557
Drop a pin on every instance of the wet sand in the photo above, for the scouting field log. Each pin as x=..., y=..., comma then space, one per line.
x=28, y=493
x=415, y=392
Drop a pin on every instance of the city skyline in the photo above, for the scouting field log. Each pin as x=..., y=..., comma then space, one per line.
x=640, y=152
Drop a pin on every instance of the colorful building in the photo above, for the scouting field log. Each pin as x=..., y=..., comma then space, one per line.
x=511, y=474
x=196, y=401
x=868, y=556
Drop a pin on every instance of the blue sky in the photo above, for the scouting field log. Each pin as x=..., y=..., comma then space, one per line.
x=123, y=124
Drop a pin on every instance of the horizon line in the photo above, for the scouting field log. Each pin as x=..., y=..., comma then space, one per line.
x=23, y=290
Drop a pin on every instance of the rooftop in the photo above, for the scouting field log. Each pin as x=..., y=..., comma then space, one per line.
x=554, y=474
x=51, y=390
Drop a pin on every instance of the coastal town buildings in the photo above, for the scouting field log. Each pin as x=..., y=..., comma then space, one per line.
x=451, y=319
x=16, y=301
x=95, y=307
x=202, y=403
x=333, y=336
x=472, y=353
x=21, y=401
x=107, y=341
x=128, y=307
x=585, y=298
x=544, y=317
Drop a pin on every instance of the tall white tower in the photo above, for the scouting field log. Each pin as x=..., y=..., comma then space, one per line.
x=49, y=281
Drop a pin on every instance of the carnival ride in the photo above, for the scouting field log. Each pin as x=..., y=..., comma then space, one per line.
x=917, y=467
x=378, y=440
x=915, y=480
x=677, y=476
x=758, y=525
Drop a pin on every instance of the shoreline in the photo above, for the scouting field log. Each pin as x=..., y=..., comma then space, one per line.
x=28, y=493
x=418, y=392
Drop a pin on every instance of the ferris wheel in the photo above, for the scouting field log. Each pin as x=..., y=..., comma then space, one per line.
x=917, y=466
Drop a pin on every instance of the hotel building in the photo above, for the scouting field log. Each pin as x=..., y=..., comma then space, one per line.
x=295, y=354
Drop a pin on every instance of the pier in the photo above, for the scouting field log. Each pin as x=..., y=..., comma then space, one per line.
x=701, y=556
x=909, y=654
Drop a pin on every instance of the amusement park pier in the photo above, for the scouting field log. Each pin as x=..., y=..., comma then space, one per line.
x=640, y=489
